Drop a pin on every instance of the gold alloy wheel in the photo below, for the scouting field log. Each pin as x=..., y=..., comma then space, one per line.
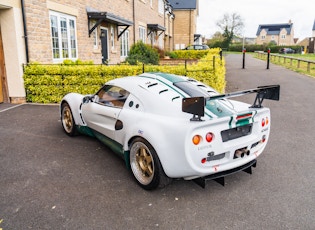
x=67, y=119
x=142, y=163
x=144, y=160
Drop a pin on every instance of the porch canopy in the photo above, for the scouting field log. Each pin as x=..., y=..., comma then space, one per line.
x=196, y=37
x=100, y=17
x=155, y=28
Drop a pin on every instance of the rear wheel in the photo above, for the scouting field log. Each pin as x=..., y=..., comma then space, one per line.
x=67, y=119
x=146, y=166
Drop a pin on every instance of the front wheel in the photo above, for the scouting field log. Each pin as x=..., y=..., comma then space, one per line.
x=146, y=166
x=67, y=119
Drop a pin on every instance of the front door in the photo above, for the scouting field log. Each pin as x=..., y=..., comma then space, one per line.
x=104, y=43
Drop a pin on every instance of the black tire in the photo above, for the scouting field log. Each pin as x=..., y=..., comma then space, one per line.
x=67, y=120
x=145, y=165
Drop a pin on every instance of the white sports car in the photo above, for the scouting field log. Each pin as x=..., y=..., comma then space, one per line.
x=167, y=126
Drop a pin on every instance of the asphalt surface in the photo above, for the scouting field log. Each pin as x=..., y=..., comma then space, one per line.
x=51, y=181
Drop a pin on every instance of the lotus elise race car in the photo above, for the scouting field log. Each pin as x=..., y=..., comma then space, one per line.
x=167, y=126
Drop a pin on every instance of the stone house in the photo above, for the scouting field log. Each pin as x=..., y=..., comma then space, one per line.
x=50, y=31
x=186, y=12
x=280, y=34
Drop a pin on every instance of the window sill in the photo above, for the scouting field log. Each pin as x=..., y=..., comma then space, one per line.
x=96, y=51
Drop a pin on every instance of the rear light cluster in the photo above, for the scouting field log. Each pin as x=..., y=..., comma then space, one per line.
x=197, y=139
x=264, y=121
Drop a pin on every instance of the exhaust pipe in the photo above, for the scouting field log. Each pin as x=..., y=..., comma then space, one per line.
x=240, y=153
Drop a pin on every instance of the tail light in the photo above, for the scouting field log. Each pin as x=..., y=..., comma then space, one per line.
x=244, y=116
x=209, y=137
x=263, y=122
x=196, y=139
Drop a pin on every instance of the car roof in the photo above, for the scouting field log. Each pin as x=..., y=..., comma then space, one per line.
x=156, y=92
x=159, y=84
x=159, y=93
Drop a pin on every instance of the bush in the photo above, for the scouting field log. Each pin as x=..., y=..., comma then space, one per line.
x=140, y=52
x=160, y=51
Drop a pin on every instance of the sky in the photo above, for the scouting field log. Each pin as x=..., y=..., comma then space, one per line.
x=256, y=12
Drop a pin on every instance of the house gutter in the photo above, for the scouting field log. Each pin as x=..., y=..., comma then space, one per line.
x=25, y=32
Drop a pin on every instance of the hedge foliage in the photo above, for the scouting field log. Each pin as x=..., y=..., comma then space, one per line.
x=191, y=54
x=265, y=47
x=49, y=83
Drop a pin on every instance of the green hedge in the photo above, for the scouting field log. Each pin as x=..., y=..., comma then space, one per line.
x=253, y=48
x=49, y=83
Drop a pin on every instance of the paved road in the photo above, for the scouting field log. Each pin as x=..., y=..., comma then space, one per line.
x=51, y=181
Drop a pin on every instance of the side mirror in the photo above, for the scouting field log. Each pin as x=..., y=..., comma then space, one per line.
x=86, y=99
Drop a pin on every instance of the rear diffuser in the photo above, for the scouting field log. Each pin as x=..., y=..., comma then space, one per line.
x=219, y=177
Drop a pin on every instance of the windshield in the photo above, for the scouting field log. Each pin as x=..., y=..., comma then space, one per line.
x=191, y=89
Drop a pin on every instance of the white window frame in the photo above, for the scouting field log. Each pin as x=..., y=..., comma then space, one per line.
x=283, y=36
x=124, y=44
x=112, y=37
x=161, y=6
x=70, y=46
x=142, y=34
x=161, y=41
x=263, y=37
x=151, y=3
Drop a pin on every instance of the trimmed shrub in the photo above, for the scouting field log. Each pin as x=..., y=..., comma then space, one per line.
x=49, y=83
x=143, y=53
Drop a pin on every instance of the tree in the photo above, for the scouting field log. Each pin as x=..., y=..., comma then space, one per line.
x=216, y=40
x=230, y=24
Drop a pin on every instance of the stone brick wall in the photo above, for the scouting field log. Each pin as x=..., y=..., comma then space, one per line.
x=184, y=27
x=39, y=32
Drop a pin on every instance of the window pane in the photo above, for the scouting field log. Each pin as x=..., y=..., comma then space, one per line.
x=64, y=37
x=54, y=36
x=161, y=6
x=72, y=39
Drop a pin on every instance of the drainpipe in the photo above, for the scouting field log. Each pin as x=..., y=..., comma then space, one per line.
x=190, y=27
x=134, y=21
x=25, y=32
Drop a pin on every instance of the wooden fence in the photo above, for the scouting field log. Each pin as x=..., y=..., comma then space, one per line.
x=289, y=61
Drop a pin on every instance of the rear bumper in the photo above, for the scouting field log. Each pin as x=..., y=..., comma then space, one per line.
x=219, y=177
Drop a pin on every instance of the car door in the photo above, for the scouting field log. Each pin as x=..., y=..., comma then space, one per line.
x=101, y=114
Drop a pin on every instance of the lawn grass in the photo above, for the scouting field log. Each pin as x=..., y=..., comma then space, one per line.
x=291, y=61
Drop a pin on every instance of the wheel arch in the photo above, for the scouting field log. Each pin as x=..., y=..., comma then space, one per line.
x=161, y=153
x=74, y=100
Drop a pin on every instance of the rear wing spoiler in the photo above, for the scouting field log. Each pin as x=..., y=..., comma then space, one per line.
x=196, y=105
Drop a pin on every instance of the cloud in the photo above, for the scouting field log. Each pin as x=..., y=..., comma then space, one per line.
x=255, y=13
